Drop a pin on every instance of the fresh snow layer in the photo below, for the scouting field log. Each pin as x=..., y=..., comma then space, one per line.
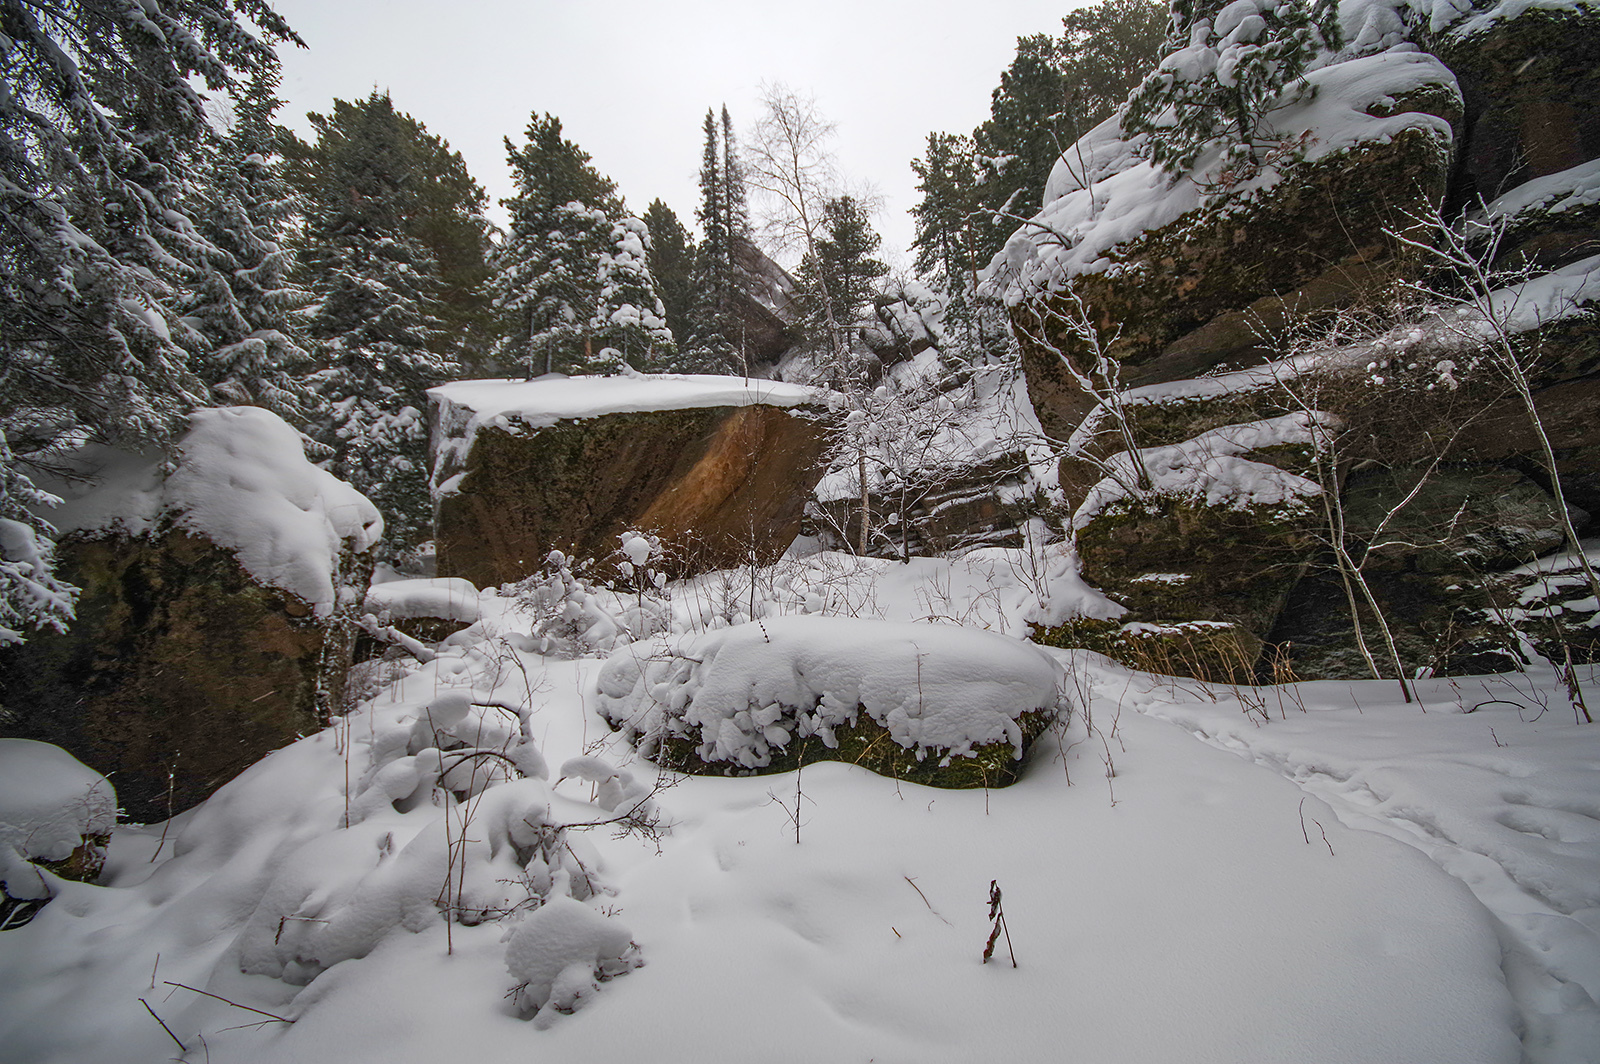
x=742, y=692
x=448, y=598
x=463, y=408
x=1555, y=193
x=1209, y=471
x=239, y=478
x=1166, y=899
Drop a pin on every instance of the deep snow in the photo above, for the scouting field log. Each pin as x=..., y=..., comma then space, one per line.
x=1361, y=885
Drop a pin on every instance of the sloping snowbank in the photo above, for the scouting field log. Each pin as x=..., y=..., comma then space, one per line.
x=240, y=479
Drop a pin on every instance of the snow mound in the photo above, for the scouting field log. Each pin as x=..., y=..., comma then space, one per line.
x=744, y=692
x=49, y=800
x=50, y=803
x=240, y=479
x=449, y=598
x=561, y=954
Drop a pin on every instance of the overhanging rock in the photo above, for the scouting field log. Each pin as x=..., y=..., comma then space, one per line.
x=718, y=467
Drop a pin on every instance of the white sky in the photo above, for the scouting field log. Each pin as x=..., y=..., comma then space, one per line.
x=631, y=79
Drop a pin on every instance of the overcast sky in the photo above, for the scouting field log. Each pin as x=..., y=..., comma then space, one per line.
x=631, y=79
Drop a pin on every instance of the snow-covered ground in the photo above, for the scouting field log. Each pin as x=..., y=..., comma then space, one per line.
x=1314, y=874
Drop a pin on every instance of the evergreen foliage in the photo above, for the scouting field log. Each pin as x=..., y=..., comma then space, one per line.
x=630, y=318
x=838, y=280
x=101, y=124
x=1226, y=69
x=573, y=280
x=714, y=341
x=670, y=255
x=379, y=316
x=246, y=306
x=975, y=190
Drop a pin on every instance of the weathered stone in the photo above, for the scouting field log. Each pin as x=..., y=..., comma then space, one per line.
x=179, y=672
x=1203, y=585
x=1529, y=84
x=1214, y=286
x=717, y=484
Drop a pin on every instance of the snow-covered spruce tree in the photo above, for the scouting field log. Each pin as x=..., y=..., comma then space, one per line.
x=715, y=341
x=101, y=119
x=671, y=258
x=1226, y=68
x=839, y=278
x=246, y=306
x=630, y=318
x=547, y=273
x=377, y=318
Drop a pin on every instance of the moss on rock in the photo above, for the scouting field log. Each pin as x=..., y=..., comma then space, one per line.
x=178, y=662
x=865, y=742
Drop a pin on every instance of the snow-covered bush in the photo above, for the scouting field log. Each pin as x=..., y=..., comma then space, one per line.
x=561, y=953
x=750, y=697
x=574, y=615
x=53, y=809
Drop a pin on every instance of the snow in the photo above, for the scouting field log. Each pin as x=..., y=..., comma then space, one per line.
x=1555, y=193
x=239, y=478
x=1100, y=195
x=49, y=801
x=741, y=693
x=1208, y=469
x=1189, y=872
x=446, y=598
x=463, y=408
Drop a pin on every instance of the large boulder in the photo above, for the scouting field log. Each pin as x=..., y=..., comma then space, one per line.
x=213, y=623
x=718, y=467
x=1176, y=276
x=925, y=703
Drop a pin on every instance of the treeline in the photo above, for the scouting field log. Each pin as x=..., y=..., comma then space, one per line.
x=157, y=260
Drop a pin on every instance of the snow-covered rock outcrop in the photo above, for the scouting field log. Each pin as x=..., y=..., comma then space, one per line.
x=718, y=467
x=210, y=629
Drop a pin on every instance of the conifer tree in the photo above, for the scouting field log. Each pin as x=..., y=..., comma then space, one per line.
x=245, y=307
x=630, y=318
x=101, y=121
x=838, y=280
x=671, y=257
x=1226, y=69
x=547, y=282
x=378, y=317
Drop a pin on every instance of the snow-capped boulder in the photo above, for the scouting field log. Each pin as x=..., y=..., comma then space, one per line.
x=926, y=703
x=718, y=467
x=212, y=623
x=56, y=816
x=428, y=609
x=1179, y=275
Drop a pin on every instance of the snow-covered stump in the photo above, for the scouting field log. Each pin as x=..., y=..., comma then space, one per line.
x=215, y=620
x=924, y=703
x=56, y=816
x=718, y=467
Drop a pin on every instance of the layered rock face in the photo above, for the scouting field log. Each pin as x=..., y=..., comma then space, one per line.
x=1177, y=285
x=213, y=622
x=719, y=468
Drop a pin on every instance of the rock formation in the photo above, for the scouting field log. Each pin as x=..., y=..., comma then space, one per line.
x=718, y=467
x=211, y=628
x=1176, y=284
